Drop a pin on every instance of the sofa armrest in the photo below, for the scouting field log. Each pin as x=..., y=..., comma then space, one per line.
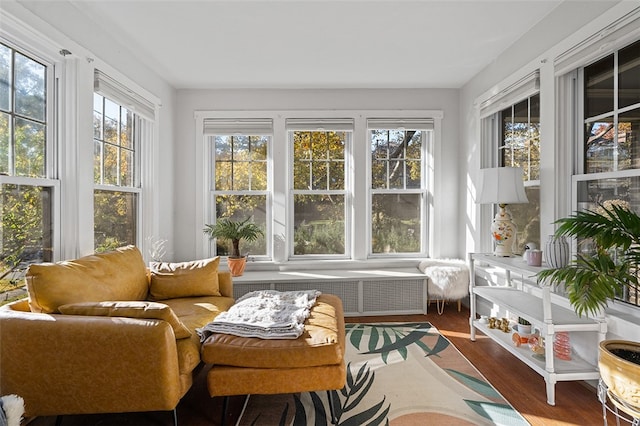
x=225, y=283
x=67, y=364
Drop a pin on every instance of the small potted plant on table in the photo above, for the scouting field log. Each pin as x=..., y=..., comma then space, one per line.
x=234, y=231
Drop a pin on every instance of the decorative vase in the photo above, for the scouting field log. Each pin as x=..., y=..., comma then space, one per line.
x=621, y=374
x=236, y=265
x=556, y=252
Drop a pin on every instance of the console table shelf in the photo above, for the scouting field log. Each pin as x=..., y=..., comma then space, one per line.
x=535, y=304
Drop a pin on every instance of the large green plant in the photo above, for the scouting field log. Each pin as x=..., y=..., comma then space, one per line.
x=592, y=279
x=234, y=231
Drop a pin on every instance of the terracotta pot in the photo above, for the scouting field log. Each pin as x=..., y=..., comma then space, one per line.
x=622, y=377
x=236, y=265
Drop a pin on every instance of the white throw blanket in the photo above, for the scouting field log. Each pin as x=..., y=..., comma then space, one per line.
x=266, y=314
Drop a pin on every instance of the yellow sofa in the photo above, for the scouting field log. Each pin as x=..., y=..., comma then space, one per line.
x=126, y=341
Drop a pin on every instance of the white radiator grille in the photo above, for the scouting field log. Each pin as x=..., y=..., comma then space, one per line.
x=359, y=297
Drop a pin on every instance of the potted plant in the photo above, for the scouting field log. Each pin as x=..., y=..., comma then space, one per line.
x=234, y=231
x=595, y=277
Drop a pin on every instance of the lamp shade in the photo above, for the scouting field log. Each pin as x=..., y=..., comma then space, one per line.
x=501, y=185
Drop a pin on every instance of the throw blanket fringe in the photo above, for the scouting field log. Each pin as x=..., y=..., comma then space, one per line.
x=266, y=314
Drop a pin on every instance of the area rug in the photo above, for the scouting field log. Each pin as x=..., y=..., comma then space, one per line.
x=397, y=374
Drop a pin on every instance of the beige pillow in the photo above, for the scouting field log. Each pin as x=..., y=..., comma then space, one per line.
x=116, y=275
x=184, y=279
x=133, y=309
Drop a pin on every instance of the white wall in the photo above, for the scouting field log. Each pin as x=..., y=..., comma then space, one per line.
x=65, y=27
x=189, y=101
x=570, y=24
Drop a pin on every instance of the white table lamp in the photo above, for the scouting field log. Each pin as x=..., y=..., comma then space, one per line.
x=502, y=186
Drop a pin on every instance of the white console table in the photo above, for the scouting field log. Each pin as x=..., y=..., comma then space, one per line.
x=535, y=303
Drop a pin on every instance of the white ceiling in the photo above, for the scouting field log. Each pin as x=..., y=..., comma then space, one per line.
x=313, y=43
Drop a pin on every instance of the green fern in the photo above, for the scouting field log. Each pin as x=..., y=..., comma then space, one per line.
x=594, y=279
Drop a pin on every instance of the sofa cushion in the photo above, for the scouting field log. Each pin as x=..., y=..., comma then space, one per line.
x=184, y=279
x=116, y=275
x=133, y=309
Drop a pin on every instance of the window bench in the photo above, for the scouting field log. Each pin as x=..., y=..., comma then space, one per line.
x=382, y=291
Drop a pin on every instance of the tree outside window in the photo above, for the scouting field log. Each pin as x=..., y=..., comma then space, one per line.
x=26, y=228
x=319, y=192
x=115, y=202
x=240, y=185
x=397, y=190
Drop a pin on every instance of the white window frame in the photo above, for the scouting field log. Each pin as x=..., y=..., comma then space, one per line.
x=110, y=84
x=491, y=130
x=358, y=178
x=14, y=37
x=321, y=124
x=426, y=126
x=214, y=126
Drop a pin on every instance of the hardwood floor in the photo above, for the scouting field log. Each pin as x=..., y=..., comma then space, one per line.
x=576, y=402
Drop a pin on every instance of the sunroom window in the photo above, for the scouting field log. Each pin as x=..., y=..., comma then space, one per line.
x=399, y=182
x=610, y=146
x=27, y=166
x=122, y=122
x=320, y=186
x=239, y=179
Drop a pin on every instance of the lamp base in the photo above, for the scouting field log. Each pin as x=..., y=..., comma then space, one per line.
x=503, y=231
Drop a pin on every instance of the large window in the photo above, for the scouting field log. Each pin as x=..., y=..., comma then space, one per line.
x=116, y=143
x=27, y=170
x=610, y=146
x=520, y=147
x=239, y=183
x=323, y=185
x=320, y=186
x=398, y=185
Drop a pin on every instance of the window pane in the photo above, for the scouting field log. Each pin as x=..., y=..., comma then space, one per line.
x=240, y=207
x=26, y=228
x=395, y=223
x=5, y=78
x=526, y=217
x=598, y=87
x=629, y=137
x=259, y=146
x=389, y=150
x=115, y=215
x=29, y=148
x=97, y=162
x=126, y=129
x=259, y=176
x=603, y=152
x=126, y=167
x=521, y=137
x=624, y=192
x=110, y=168
x=318, y=159
x=29, y=88
x=319, y=224
x=629, y=75
x=5, y=141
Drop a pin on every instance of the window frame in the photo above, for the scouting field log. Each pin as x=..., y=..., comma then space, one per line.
x=54, y=75
x=136, y=149
x=280, y=183
x=575, y=82
x=492, y=135
x=234, y=126
x=327, y=125
x=425, y=125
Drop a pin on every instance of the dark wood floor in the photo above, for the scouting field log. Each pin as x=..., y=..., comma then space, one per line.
x=576, y=402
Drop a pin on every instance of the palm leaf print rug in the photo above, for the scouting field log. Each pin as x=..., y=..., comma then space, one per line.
x=397, y=374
